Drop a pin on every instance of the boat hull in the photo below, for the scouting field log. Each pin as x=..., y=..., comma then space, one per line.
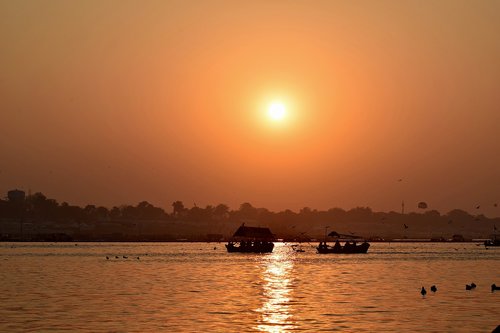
x=492, y=242
x=253, y=248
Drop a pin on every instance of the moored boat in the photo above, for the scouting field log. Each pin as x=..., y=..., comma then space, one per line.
x=250, y=247
x=347, y=248
x=251, y=240
x=492, y=242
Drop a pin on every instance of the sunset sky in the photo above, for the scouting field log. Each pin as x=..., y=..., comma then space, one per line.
x=115, y=102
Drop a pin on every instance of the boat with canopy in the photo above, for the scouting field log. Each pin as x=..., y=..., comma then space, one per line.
x=251, y=240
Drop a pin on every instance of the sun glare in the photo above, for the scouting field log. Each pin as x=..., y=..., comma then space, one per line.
x=276, y=111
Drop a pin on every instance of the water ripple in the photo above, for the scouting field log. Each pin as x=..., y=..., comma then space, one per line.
x=184, y=287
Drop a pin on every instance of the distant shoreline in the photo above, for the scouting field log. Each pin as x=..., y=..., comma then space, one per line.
x=224, y=241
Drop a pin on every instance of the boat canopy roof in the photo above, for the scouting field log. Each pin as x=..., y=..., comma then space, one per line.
x=344, y=236
x=258, y=233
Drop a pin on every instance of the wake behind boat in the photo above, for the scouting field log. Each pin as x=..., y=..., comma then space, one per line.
x=251, y=240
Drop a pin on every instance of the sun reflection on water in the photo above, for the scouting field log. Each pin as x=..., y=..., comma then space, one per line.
x=275, y=312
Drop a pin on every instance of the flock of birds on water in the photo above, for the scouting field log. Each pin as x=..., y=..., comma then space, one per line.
x=471, y=286
x=124, y=257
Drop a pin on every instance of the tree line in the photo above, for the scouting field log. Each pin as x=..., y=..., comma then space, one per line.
x=307, y=221
x=38, y=206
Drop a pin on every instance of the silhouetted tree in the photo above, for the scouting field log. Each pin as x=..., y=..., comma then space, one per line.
x=147, y=211
x=247, y=211
x=115, y=213
x=305, y=211
x=178, y=208
x=90, y=212
x=208, y=212
x=66, y=212
x=221, y=211
x=41, y=207
x=336, y=212
x=459, y=215
x=128, y=212
x=102, y=213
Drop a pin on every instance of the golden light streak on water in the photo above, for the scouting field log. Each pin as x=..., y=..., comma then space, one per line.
x=275, y=311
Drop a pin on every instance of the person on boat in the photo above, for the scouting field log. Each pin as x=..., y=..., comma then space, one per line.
x=337, y=246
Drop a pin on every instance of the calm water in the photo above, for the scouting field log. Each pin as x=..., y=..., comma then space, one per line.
x=192, y=287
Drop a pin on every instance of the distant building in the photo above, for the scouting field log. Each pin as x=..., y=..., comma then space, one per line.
x=16, y=195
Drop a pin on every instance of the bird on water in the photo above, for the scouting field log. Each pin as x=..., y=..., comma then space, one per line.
x=434, y=288
x=470, y=286
x=423, y=291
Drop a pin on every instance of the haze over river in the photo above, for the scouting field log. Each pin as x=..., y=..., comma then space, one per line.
x=199, y=287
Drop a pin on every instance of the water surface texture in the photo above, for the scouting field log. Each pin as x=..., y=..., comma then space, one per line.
x=199, y=287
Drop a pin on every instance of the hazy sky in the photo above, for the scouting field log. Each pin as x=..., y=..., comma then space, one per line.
x=115, y=102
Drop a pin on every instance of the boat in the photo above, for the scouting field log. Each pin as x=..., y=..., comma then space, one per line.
x=347, y=248
x=492, y=242
x=297, y=248
x=251, y=240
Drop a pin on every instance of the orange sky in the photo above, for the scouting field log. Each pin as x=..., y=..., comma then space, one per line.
x=114, y=102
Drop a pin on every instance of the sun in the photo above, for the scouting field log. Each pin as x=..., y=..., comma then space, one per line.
x=276, y=111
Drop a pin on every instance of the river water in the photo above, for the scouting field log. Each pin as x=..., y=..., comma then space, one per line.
x=199, y=287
